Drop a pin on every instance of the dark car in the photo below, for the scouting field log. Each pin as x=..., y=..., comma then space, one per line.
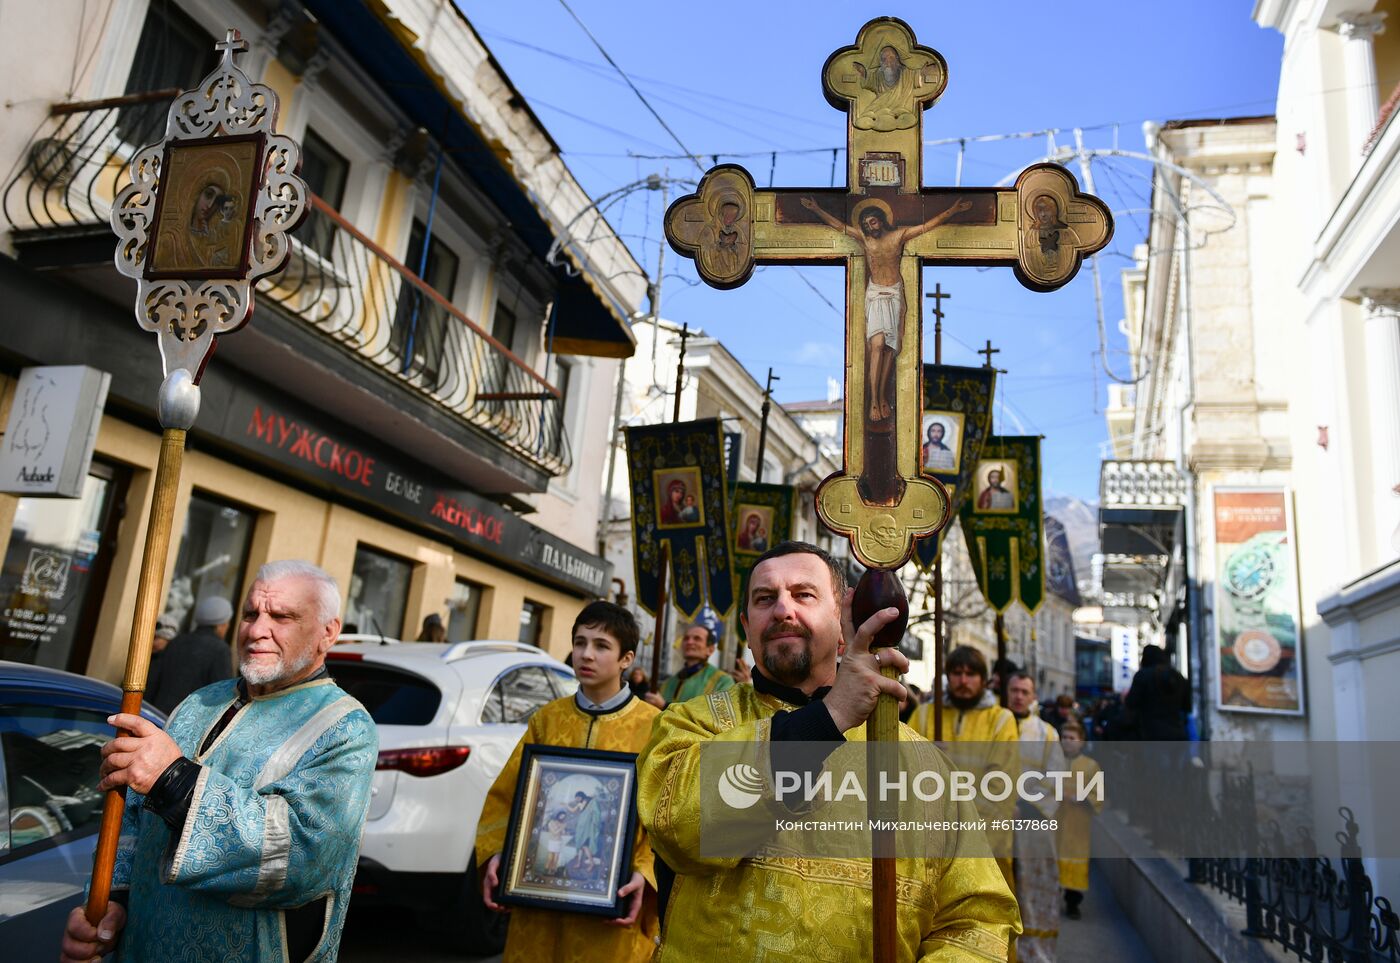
x=52, y=728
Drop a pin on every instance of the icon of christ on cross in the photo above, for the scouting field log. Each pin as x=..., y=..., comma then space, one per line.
x=883, y=245
x=883, y=226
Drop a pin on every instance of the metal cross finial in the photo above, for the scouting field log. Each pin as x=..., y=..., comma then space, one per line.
x=232, y=43
x=987, y=353
x=938, y=294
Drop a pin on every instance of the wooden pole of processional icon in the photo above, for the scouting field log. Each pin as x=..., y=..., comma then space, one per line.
x=179, y=404
x=663, y=612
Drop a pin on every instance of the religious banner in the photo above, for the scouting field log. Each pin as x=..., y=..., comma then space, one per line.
x=957, y=419
x=762, y=518
x=1257, y=641
x=1002, y=522
x=680, y=499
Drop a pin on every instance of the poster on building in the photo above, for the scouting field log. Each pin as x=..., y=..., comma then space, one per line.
x=48, y=441
x=1257, y=642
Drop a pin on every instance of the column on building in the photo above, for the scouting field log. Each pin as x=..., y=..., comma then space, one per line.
x=1383, y=403
x=1359, y=30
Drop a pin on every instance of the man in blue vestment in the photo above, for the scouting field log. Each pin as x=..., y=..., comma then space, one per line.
x=243, y=818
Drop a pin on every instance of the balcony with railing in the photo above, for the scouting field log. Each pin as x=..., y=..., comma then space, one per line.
x=338, y=281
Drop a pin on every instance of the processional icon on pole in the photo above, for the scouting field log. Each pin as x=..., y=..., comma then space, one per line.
x=206, y=215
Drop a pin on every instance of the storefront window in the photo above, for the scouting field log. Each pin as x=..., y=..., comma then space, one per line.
x=531, y=622
x=463, y=608
x=378, y=593
x=213, y=557
x=54, y=572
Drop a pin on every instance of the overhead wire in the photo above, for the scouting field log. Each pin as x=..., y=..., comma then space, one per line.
x=640, y=96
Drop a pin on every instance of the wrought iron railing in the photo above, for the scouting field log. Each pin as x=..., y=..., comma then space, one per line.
x=1315, y=908
x=338, y=280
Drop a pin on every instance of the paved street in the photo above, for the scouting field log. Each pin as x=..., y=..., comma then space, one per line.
x=1102, y=932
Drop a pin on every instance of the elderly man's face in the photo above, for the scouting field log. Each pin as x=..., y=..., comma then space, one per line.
x=889, y=57
x=793, y=619
x=281, y=637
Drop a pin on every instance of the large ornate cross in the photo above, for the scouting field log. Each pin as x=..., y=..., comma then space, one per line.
x=884, y=226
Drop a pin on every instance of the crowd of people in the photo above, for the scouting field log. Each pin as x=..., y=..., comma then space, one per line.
x=243, y=817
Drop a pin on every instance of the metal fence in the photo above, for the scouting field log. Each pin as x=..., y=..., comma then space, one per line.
x=338, y=280
x=1318, y=909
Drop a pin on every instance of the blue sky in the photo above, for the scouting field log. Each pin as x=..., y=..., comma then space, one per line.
x=735, y=78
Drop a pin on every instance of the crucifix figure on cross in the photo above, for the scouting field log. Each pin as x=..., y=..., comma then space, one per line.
x=883, y=227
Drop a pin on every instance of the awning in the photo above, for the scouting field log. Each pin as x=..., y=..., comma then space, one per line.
x=587, y=322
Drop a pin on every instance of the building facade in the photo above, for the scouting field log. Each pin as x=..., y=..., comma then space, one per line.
x=419, y=401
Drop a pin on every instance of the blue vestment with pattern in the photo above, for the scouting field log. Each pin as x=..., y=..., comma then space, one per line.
x=274, y=824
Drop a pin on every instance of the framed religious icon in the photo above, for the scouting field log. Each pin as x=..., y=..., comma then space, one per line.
x=755, y=532
x=994, y=486
x=204, y=212
x=569, y=841
x=941, y=441
x=680, y=501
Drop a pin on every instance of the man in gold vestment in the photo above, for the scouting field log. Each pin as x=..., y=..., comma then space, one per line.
x=779, y=908
x=980, y=736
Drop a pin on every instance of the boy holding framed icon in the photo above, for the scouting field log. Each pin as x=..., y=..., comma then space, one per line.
x=558, y=838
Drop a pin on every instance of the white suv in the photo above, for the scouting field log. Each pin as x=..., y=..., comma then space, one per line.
x=449, y=715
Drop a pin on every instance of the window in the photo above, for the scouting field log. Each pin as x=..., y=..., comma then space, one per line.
x=55, y=571
x=390, y=696
x=52, y=756
x=378, y=594
x=213, y=557
x=516, y=695
x=503, y=330
x=562, y=381
x=173, y=51
x=325, y=172
x=420, y=323
x=531, y=622
x=565, y=683
x=463, y=610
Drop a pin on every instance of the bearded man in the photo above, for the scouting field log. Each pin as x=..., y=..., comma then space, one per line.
x=243, y=818
x=772, y=908
x=979, y=735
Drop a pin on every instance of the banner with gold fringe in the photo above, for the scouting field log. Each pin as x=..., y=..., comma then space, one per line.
x=956, y=421
x=1003, y=524
x=762, y=517
x=679, y=498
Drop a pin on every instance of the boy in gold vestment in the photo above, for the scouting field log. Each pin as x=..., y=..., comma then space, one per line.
x=603, y=714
